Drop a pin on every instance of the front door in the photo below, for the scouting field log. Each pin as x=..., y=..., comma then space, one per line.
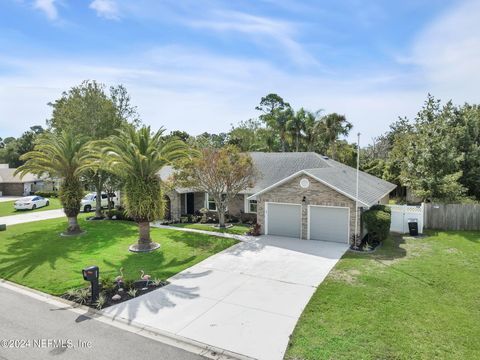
x=190, y=204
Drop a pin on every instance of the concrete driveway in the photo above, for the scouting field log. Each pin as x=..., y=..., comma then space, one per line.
x=246, y=299
x=31, y=216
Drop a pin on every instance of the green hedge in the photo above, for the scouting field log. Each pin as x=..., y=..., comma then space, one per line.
x=46, y=194
x=377, y=223
x=383, y=208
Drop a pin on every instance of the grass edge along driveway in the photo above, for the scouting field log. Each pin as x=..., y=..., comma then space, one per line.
x=412, y=299
x=35, y=255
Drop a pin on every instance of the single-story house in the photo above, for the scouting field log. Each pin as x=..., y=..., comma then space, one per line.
x=303, y=195
x=13, y=185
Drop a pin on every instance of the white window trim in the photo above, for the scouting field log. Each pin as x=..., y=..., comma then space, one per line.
x=246, y=205
x=207, y=200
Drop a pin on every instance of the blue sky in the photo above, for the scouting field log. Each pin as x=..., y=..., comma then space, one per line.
x=203, y=65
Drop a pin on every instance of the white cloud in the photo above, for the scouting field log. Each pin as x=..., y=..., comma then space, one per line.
x=197, y=91
x=259, y=29
x=106, y=8
x=447, y=53
x=48, y=7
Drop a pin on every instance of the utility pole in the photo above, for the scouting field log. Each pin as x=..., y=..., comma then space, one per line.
x=356, y=193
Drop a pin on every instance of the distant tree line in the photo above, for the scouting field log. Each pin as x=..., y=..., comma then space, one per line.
x=436, y=155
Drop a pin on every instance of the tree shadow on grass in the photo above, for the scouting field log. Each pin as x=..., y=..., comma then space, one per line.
x=33, y=249
x=203, y=242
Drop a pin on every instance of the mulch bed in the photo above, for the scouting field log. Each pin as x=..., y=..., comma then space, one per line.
x=141, y=288
x=366, y=246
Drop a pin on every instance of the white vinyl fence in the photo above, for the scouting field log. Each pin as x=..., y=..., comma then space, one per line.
x=402, y=214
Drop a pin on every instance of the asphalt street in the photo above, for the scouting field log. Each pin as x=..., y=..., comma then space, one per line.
x=33, y=329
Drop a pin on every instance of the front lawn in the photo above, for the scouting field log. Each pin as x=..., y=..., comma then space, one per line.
x=412, y=299
x=235, y=229
x=6, y=208
x=35, y=255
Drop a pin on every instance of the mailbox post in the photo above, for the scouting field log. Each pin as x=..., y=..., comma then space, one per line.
x=92, y=274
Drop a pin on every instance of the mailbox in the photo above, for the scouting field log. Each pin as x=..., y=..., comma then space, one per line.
x=91, y=274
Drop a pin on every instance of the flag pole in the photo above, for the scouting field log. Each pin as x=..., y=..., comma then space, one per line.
x=356, y=193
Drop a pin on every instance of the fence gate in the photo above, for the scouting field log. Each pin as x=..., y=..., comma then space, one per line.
x=401, y=215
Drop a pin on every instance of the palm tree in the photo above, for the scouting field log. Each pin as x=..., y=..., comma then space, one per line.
x=60, y=155
x=333, y=125
x=137, y=156
x=311, y=129
x=296, y=125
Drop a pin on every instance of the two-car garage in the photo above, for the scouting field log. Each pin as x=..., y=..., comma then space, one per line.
x=326, y=223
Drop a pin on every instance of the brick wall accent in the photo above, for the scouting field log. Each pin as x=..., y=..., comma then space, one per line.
x=175, y=205
x=12, y=189
x=316, y=194
x=236, y=205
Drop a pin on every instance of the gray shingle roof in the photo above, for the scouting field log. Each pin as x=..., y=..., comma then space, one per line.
x=274, y=167
x=6, y=176
x=343, y=178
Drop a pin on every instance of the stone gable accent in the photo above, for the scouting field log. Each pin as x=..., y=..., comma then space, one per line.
x=316, y=194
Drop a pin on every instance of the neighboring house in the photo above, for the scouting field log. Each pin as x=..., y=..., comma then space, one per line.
x=302, y=195
x=13, y=185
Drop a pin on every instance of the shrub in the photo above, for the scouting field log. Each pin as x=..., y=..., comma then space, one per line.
x=380, y=207
x=255, y=230
x=377, y=223
x=46, y=194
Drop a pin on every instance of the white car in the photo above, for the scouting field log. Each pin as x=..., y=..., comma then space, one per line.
x=89, y=202
x=31, y=203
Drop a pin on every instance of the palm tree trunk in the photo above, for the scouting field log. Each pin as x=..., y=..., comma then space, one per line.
x=98, y=203
x=144, y=239
x=73, y=226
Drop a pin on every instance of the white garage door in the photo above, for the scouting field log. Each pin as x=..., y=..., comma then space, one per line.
x=328, y=223
x=283, y=219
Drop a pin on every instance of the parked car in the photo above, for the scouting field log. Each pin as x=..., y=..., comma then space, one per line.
x=31, y=203
x=89, y=202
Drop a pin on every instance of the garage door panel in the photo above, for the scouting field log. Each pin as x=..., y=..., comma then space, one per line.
x=284, y=219
x=329, y=224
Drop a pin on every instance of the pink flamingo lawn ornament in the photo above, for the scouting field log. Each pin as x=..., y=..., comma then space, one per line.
x=145, y=277
x=119, y=279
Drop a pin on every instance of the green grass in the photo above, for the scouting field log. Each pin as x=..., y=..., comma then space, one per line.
x=6, y=208
x=35, y=255
x=236, y=229
x=412, y=299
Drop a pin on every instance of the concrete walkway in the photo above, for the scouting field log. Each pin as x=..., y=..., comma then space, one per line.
x=243, y=238
x=246, y=299
x=31, y=216
x=8, y=198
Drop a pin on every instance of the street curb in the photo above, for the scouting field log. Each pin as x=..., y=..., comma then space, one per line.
x=164, y=337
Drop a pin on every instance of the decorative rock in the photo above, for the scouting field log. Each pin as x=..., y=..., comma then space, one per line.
x=116, y=297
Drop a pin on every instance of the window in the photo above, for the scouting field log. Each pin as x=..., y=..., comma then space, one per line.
x=252, y=206
x=212, y=206
x=104, y=196
x=210, y=202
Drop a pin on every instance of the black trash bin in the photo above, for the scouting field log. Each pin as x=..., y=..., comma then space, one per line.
x=413, y=227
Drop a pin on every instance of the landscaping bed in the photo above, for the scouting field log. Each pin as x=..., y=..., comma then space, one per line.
x=112, y=293
x=413, y=298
